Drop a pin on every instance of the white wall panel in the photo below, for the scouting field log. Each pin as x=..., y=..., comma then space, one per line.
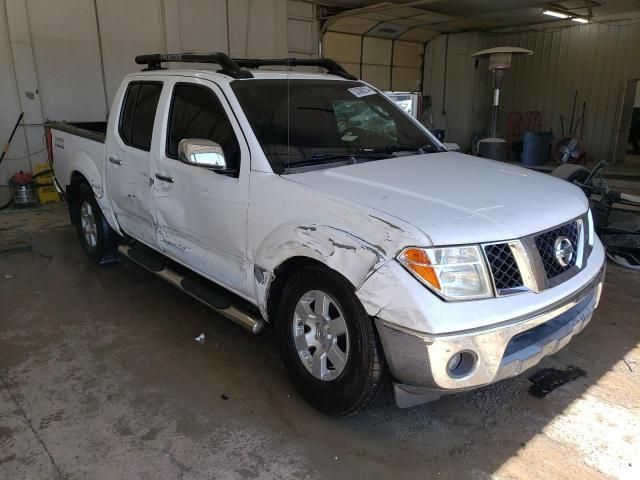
x=16, y=158
x=53, y=50
x=342, y=47
x=407, y=66
x=203, y=25
x=454, y=94
x=302, y=30
x=376, y=51
x=371, y=58
x=67, y=59
x=258, y=28
x=128, y=29
x=377, y=75
x=27, y=92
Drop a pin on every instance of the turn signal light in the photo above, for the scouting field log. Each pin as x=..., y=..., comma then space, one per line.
x=418, y=261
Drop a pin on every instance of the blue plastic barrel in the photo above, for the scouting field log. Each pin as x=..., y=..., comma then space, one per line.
x=535, y=148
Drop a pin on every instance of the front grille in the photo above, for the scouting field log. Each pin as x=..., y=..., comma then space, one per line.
x=545, y=243
x=503, y=266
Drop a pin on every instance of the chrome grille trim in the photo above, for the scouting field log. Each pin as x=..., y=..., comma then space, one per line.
x=534, y=273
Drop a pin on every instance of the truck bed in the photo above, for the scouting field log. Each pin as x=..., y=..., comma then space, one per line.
x=95, y=131
x=78, y=146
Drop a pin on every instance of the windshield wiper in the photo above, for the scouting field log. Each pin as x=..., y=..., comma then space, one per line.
x=359, y=154
x=389, y=149
x=326, y=158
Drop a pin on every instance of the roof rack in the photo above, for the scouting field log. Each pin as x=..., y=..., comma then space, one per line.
x=235, y=67
x=332, y=67
x=154, y=61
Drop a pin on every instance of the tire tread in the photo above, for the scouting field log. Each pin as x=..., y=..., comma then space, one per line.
x=376, y=370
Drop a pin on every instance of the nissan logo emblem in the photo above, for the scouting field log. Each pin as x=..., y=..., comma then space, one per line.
x=563, y=249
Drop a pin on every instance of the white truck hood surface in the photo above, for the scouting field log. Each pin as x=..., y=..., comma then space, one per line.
x=454, y=198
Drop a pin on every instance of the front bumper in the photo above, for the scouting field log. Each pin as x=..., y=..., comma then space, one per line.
x=418, y=361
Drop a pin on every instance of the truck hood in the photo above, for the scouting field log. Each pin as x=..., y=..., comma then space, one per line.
x=454, y=198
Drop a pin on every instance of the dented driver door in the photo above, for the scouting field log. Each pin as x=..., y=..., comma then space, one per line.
x=202, y=215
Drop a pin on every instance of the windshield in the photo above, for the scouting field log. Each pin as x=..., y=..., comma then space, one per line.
x=325, y=121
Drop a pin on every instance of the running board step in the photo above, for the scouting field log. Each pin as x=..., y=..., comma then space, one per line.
x=156, y=263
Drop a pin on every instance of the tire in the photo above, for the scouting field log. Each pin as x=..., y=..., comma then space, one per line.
x=343, y=390
x=571, y=173
x=99, y=241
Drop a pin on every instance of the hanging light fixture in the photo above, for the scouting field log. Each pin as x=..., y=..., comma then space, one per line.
x=580, y=19
x=555, y=13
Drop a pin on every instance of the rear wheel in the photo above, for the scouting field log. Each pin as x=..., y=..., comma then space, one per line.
x=328, y=342
x=99, y=241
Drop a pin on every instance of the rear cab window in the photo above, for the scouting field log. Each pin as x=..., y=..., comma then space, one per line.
x=138, y=113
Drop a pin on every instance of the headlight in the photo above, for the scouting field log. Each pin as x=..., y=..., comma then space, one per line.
x=454, y=273
x=591, y=228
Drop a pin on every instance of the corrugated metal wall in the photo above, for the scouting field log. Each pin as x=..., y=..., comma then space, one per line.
x=386, y=64
x=595, y=60
x=454, y=95
x=53, y=59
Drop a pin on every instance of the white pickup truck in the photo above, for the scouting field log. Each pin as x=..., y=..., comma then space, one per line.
x=311, y=202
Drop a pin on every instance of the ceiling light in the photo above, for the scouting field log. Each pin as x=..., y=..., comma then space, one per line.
x=553, y=13
x=580, y=19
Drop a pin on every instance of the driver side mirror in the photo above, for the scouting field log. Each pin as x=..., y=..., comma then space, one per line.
x=202, y=153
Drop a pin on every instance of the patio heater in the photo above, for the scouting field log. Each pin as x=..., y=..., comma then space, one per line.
x=499, y=61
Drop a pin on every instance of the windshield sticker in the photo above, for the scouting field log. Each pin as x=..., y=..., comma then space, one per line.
x=362, y=91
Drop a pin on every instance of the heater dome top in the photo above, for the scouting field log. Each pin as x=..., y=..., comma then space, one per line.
x=498, y=50
x=500, y=57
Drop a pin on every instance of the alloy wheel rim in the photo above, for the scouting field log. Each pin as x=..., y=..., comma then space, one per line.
x=88, y=224
x=320, y=335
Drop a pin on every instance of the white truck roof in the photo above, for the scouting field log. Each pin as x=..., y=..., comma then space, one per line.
x=261, y=74
x=228, y=69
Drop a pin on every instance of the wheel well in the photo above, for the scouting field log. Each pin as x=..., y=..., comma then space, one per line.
x=77, y=179
x=283, y=272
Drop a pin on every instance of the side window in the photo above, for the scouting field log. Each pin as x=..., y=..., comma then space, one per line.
x=196, y=112
x=138, y=113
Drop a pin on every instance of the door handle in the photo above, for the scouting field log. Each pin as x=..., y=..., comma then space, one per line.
x=115, y=160
x=164, y=178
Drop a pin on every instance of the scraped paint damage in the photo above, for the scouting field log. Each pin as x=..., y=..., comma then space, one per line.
x=349, y=254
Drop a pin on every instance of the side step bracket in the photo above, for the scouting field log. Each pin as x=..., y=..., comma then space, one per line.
x=211, y=297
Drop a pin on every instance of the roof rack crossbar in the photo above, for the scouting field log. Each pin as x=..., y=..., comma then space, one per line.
x=332, y=67
x=154, y=61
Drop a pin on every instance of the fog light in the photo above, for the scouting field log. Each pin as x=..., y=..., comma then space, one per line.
x=462, y=364
x=454, y=362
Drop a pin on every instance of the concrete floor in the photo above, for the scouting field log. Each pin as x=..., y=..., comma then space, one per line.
x=101, y=378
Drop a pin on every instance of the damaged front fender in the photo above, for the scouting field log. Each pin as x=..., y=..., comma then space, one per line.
x=344, y=252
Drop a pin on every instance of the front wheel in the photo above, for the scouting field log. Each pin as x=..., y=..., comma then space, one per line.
x=328, y=342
